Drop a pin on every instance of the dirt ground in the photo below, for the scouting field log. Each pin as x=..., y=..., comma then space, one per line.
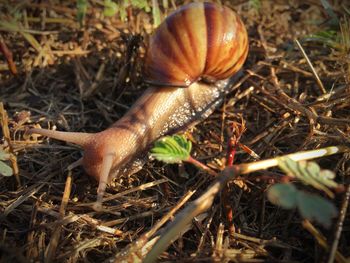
x=83, y=78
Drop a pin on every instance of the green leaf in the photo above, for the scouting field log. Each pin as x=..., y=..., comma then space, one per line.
x=314, y=207
x=310, y=206
x=5, y=170
x=309, y=173
x=156, y=13
x=110, y=9
x=4, y=155
x=142, y=4
x=328, y=37
x=82, y=6
x=329, y=9
x=255, y=4
x=122, y=6
x=284, y=195
x=172, y=149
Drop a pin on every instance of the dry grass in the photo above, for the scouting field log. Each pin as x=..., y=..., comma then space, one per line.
x=84, y=79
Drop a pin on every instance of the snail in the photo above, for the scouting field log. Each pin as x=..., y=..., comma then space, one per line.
x=189, y=60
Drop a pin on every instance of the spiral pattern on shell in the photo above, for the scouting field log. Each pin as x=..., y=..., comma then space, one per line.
x=199, y=41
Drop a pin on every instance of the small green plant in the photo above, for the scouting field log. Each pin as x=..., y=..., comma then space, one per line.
x=309, y=173
x=111, y=8
x=82, y=6
x=172, y=149
x=336, y=34
x=176, y=149
x=255, y=4
x=330, y=12
x=5, y=170
x=310, y=206
x=328, y=37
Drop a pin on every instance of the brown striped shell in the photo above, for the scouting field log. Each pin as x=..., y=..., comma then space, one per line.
x=199, y=41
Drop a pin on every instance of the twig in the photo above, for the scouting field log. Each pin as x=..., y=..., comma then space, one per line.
x=25, y=195
x=219, y=244
x=319, y=82
x=339, y=226
x=262, y=216
x=6, y=134
x=135, y=247
x=321, y=240
x=206, y=231
x=30, y=237
x=202, y=166
x=97, y=81
x=81, y=219
x=299, y=156
x=291, y=102
x=51, y=249
x=201, y=204
x=8, y=55
x=129, y=191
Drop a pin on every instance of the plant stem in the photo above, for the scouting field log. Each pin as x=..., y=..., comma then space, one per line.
x=202, y=166
x=205, y=201
x=246, y=168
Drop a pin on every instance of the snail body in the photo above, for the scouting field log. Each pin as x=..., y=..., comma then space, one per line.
x=164, y=107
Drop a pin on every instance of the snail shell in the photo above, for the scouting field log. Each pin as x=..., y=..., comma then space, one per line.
x=199, y=41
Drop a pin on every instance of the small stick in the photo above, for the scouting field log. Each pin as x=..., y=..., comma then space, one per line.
x=141, y=242
x=246, y=168
x=98, y=78
x=8, y=55
x=339, y=226
x=51, y=249
x=198, y=206
x=202, y=166
x=321, y=240
x=319, y=82
x=6, y=134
